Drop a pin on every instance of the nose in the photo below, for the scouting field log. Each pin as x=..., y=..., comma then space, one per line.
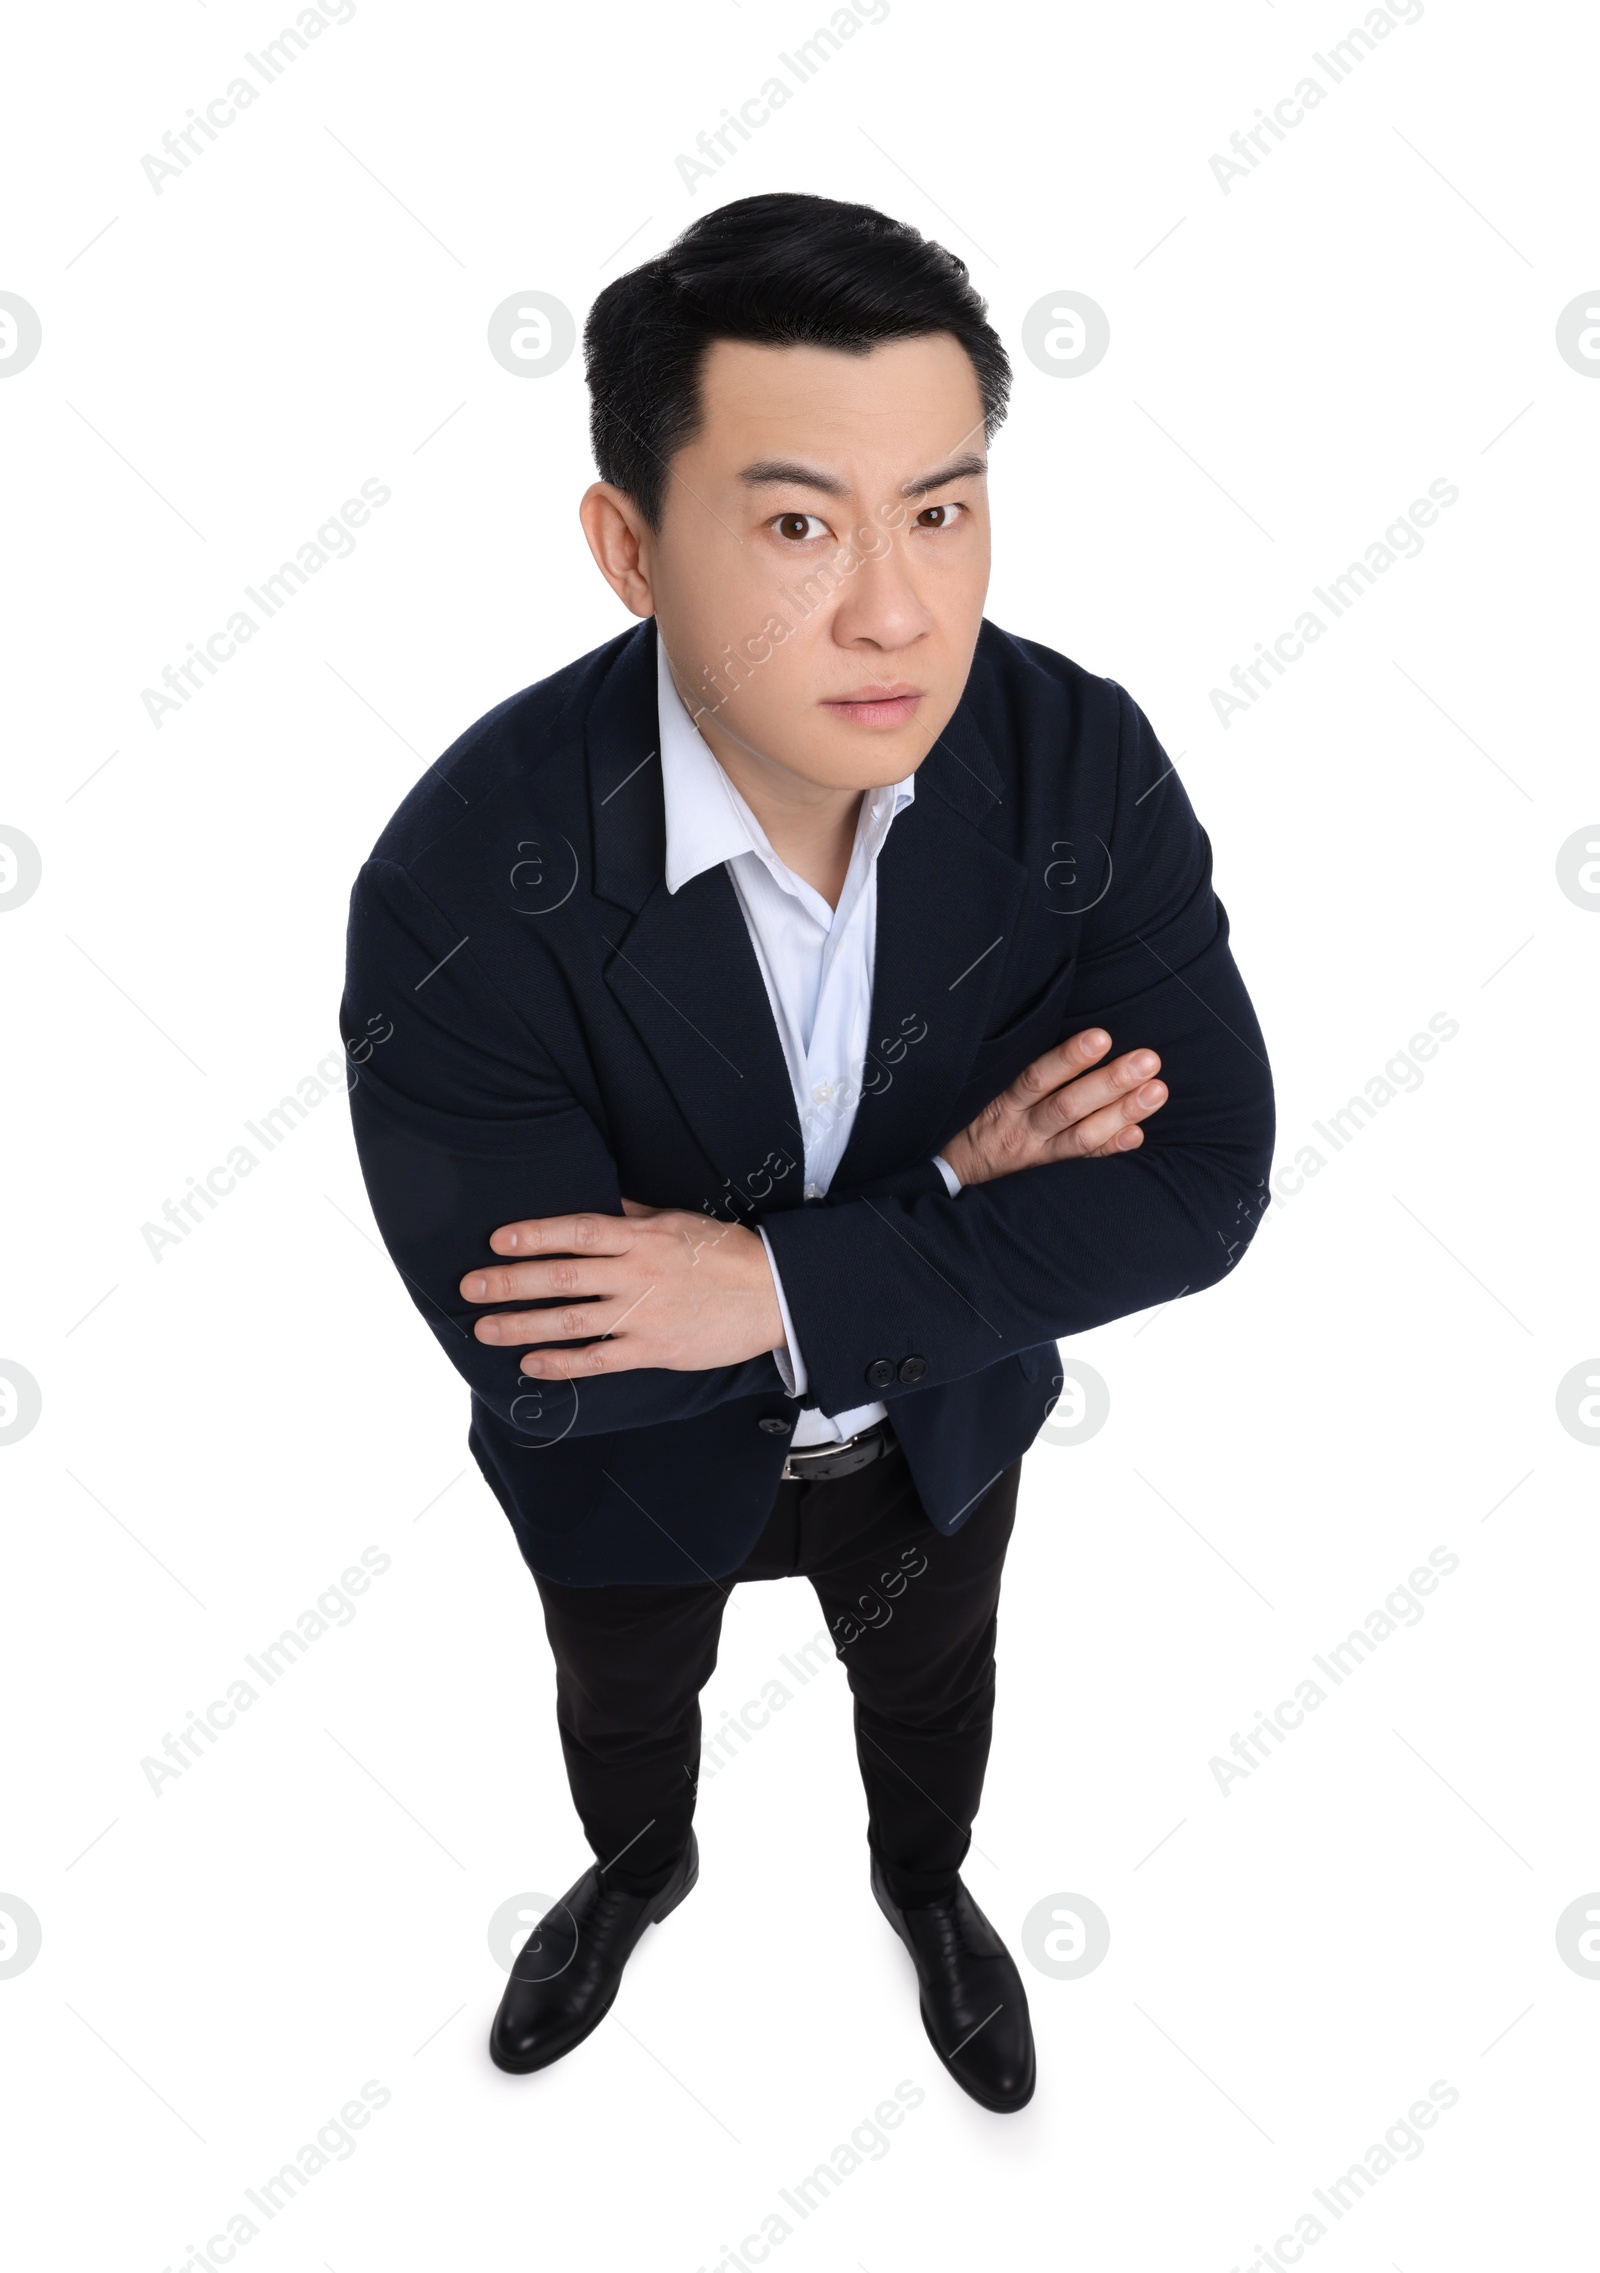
x=880, y=605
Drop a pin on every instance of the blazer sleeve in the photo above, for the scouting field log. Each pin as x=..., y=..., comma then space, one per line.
x=962, y=1281
x=462, y=1122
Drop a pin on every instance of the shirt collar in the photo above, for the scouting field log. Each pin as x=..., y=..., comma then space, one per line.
x=707, y=819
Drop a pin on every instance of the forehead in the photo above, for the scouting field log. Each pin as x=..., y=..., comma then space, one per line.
x=891, y=411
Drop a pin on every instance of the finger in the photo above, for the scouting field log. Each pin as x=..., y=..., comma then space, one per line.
x=1103, y=1129
x=637, y=1207
x=1059, y=1064
x=563, y=1235
x=578, y=1365
x=564, y=1322
x=1075, y=1100
x=557, y=1275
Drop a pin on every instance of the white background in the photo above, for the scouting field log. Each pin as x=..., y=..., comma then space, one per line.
x=1292, y=1962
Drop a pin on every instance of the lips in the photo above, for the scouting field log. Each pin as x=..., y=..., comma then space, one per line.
x=876, y=706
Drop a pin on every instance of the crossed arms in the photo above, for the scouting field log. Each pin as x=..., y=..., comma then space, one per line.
x=664, y=1287
x=1076, y=1205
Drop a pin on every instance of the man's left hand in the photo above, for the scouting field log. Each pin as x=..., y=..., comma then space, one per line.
x=665, y=1288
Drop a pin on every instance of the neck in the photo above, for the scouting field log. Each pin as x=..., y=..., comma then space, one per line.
x=810, y=825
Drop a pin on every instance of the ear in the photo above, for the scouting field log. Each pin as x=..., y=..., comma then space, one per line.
x=619, y=539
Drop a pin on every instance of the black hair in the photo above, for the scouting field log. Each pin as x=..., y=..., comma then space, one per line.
x=783, y=269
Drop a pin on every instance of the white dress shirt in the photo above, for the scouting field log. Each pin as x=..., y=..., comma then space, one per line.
x=817, y=962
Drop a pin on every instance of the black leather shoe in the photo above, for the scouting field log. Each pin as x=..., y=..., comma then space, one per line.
x=974, y=2007
x=567, y=1973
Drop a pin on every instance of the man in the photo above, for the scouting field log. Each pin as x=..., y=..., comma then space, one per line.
x=745, y=1122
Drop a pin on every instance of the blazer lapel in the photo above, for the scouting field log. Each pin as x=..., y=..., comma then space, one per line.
x=687, y=976
x=682, y=965
x=947, y=907
x=684, y=970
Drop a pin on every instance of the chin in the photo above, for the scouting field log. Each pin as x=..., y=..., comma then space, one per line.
x=869, y=760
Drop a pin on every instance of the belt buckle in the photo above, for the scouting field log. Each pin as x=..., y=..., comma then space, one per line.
x=791, y=1475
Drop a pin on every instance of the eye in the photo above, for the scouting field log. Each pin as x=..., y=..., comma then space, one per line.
x=799, y=528
x=939, y=517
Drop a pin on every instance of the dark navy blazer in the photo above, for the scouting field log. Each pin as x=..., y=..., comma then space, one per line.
x=537, y=1026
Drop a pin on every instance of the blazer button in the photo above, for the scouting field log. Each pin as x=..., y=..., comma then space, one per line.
x=913, y=1368
x=881, y=1372
x=773, y=1426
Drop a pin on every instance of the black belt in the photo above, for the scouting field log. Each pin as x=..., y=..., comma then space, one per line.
x=820, y=1463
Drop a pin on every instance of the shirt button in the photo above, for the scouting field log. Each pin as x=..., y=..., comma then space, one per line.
x=812, y=1193
x=822, y=1091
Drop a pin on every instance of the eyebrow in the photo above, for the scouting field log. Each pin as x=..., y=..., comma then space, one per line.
x=791, y=472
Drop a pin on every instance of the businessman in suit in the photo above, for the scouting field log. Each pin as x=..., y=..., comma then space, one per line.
x=772, y=1005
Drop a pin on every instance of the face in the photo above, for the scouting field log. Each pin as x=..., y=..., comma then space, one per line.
x=819, y=574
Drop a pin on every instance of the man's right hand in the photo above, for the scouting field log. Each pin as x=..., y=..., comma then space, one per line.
x=1059, y=1109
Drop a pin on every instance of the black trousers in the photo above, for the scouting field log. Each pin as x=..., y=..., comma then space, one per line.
x=912, y=1616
